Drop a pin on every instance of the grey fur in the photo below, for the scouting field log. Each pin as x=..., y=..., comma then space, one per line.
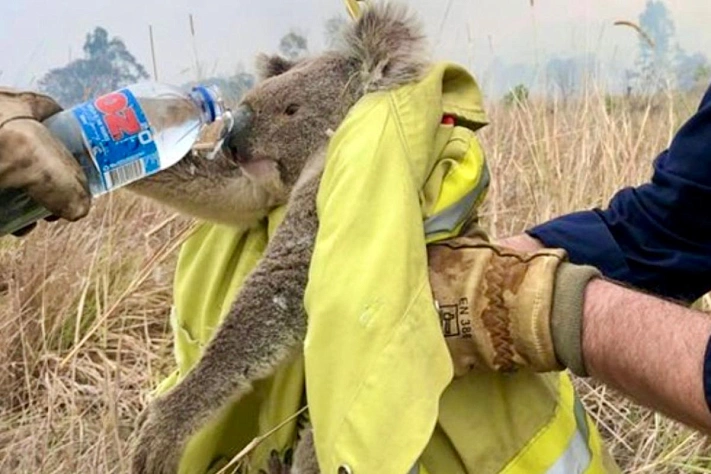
x=270, y=66
x=278, y=160
x=388, y=44
x=305, y=461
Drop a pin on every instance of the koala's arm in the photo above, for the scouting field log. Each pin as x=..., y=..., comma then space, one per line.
x=267, y=323
x=265, y=327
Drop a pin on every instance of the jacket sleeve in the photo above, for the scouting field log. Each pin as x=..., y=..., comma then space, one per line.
x=657, y=236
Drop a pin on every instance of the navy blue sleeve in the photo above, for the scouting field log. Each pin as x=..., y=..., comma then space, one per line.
x=657, y=236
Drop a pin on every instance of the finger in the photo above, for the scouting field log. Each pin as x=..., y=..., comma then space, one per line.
x=289, y=457
x=274, y=463
x=33, y=160
x=42, y=106
x=62, y=190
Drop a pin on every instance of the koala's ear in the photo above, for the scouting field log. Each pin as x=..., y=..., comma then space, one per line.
x=388, y=45
x=272, y=65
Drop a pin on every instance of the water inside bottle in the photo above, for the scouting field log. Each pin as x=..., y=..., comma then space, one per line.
x=176, y=119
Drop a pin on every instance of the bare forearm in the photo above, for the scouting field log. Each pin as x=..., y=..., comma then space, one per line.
x=650, y=349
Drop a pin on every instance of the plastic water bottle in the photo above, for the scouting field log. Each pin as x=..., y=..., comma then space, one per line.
x=121, y=137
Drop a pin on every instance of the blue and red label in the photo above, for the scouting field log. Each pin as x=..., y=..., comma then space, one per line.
x=119, y=138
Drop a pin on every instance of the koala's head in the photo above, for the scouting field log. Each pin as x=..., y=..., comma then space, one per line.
x=287, y=118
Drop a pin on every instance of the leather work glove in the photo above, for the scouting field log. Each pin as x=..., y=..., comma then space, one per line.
x=503, y=310
x=33, y=160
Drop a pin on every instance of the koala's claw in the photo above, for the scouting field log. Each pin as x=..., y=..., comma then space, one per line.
x=278, y=466
x=159, y=444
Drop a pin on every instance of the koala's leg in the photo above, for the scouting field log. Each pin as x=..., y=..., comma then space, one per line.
x=265, y=327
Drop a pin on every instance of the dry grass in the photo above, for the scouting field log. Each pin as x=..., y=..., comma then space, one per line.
x=111, y=274
x=57, y=284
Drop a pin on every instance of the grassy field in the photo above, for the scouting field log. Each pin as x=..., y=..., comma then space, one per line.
x=84, y=308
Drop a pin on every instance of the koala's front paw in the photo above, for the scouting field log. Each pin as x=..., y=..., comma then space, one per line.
x=160, y=442
x=277, y=465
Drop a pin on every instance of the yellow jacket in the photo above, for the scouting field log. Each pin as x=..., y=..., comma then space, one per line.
x=377, y=371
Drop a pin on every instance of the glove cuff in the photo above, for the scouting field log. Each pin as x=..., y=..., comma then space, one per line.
x=567, y=314
x=4, y=122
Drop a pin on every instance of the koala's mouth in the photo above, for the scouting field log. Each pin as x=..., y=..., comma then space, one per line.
x=251, y=166
x=258, y=168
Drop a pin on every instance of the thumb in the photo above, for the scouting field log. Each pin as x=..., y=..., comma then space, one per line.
x=42, y=106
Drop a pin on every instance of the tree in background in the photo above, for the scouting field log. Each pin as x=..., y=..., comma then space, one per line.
x=692, y=70
x=332, y=30
x=517, y=96
x=232, y=88
x=563, y=75
x=657, y=59
x=566, y=76
x=107, y=66
x=663, y=64
x=293, y=45
x=702, y=74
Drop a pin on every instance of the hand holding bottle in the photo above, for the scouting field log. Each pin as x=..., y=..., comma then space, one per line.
x=93, y=148
x=35, y=161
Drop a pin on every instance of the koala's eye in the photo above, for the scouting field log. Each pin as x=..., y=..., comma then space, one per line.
x=291, y=109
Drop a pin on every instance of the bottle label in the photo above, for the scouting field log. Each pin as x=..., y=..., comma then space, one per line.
x=119, y=138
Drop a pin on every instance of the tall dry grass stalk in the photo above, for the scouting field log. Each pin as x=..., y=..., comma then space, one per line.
x=106, y=282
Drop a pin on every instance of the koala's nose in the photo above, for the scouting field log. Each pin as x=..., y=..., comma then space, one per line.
x=238, y=138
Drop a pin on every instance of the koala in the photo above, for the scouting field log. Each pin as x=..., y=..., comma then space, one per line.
x=274, y=156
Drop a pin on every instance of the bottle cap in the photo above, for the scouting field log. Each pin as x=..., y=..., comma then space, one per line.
x=211, y=102
x=218, y=122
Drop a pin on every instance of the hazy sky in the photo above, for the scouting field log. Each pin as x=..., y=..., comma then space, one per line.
x=36, y=35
